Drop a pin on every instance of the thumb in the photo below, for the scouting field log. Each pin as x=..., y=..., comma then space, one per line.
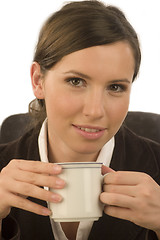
x=106, y=170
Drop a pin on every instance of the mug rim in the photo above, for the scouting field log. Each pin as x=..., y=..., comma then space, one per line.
x=80, y=164
x=74, y=163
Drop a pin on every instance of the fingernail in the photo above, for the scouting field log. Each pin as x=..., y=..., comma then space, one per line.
x=46, y=212
x=57, y=168
x=60, y=183
x=56, y=198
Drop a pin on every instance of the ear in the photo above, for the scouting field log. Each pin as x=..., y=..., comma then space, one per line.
x=37, y=80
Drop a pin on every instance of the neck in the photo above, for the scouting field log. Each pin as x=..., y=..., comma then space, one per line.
x=57, y=155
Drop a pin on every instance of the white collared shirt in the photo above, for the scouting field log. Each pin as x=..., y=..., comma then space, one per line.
x=104, y=157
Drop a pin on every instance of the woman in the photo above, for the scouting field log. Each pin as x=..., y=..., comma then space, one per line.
x=86, y=59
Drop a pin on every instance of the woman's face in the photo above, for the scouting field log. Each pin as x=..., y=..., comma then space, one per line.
x=87, y=97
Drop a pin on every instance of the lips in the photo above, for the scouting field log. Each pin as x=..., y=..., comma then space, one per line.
x=89, y=129
x=89, y=132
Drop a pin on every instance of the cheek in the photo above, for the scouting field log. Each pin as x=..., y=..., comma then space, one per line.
x=61, y=106
x=118, y=111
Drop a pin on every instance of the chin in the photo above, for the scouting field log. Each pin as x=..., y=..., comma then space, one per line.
x=88, y=150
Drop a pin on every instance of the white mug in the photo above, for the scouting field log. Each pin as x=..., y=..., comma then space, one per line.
x=81, y=193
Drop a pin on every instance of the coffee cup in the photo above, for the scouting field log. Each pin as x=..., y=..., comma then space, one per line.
x=80, y=194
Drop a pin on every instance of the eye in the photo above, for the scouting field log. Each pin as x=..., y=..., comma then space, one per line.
x=76, y=82
x=117, y=88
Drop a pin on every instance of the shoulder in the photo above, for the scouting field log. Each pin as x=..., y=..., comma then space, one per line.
x=132, y=140
x=25, y=147
x=135, y=153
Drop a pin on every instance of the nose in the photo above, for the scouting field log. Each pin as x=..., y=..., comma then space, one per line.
x=94, y=103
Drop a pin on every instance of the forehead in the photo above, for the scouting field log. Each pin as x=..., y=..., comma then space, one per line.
x=110, y=59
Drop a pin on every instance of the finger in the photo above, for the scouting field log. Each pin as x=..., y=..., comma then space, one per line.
x=125, y=178
x=106, y=169
x=117, y=200
x=25, y=204
x=118, y=212
x=38, y=179
x=120, y=189
x=36, y=166
x=30, y=190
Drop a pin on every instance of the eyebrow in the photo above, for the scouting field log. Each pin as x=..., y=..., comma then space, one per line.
x=125, y=80
x=78, y=74
x=82, y=75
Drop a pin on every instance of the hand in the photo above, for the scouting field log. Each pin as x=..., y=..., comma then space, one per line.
x=132, y=196
x=106, y=170
x=21, y=178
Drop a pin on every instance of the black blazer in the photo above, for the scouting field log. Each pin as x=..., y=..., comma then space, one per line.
x=131, y=153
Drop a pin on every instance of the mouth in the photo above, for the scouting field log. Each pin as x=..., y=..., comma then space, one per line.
x=89, y=132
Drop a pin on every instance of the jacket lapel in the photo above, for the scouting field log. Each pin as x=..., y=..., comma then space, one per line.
x=133, y=153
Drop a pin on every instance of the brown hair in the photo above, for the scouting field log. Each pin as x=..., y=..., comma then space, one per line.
x=80, y=25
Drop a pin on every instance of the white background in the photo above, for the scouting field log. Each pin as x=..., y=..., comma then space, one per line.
x=20, y=22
